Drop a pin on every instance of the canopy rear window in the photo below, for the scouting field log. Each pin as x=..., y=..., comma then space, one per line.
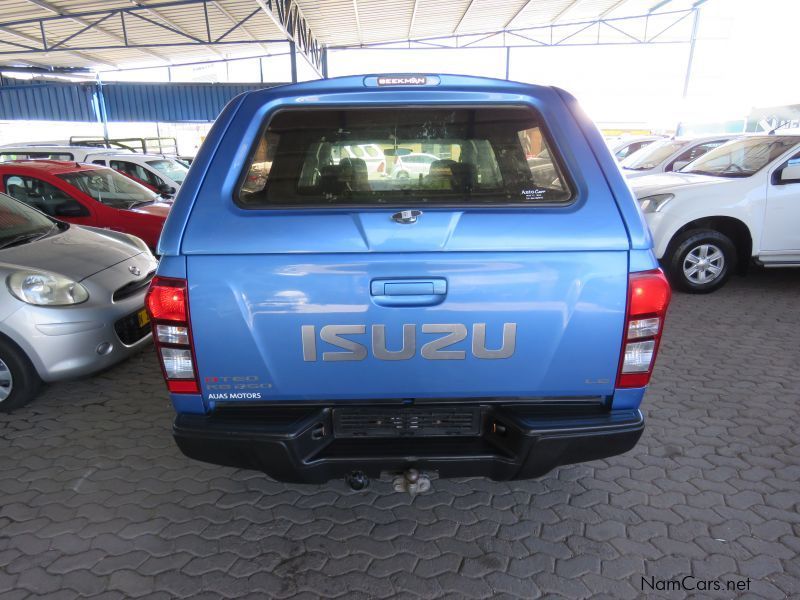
x=394, y=157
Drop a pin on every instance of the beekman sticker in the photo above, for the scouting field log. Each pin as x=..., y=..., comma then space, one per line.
x=410, y=80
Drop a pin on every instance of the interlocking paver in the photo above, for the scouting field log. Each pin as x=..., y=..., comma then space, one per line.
x=95, y=500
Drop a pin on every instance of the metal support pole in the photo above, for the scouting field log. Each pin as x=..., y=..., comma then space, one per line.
x=293, y=58
x=324, y=60
x=508, y=60
x=101, y=108
x=692, y=43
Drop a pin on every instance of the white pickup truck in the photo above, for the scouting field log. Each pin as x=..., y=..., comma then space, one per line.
x=737, y=203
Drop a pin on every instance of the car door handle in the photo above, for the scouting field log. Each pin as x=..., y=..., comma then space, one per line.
x=408, y=292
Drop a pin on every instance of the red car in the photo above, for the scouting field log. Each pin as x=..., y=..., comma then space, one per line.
x=86, y=195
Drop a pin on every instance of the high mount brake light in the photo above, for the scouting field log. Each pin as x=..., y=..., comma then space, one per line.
x=168, y=307
x=648, y=298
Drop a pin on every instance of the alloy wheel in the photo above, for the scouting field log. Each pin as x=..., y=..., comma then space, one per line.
x=703, y=264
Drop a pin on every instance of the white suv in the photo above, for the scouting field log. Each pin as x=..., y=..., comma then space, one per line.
x=624, y=146
x=664, y=156
x=737, y=202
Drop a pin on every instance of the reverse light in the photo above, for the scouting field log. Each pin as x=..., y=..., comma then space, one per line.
x=178, y=363
x=642, y=328
x=172, y=334
x=168, y=307
x=638, y=356
x=648, y=298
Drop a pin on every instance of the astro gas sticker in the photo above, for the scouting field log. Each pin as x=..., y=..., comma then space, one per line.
x=533, y=194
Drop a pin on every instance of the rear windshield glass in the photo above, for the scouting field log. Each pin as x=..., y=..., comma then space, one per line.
x=402, y=157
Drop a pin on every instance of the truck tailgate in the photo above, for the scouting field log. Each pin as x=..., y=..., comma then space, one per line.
x=522, y=324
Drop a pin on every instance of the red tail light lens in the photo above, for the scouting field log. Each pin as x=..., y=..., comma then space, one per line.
x=648, y=298
x=167, y=305
x=381, y=167
x=166, y=300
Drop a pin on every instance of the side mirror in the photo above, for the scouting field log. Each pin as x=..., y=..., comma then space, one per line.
x=790, y=173
x=679, y=164
x=71, y=209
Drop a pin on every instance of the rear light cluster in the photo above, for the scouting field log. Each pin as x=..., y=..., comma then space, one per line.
x=648, y=299
x=167, y=304
x=381, y=167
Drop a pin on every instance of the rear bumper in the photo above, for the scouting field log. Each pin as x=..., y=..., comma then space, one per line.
x=300, y=446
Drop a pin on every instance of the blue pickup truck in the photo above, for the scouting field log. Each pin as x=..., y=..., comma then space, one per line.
x=495, y=311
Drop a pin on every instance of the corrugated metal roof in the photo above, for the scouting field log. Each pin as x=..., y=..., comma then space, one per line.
x=333, y=23
x=147, y=102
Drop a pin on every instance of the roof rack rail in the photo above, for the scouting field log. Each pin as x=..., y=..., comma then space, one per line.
x=143, y=145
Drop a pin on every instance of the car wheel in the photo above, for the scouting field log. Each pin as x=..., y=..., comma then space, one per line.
x=402, y=175
x=19, y=382
x=701, y=260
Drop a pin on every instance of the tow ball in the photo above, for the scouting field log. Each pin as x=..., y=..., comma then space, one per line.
x=413, y=482
x=357, y=480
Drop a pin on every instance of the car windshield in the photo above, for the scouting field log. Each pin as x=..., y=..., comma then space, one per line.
x=741, y=158
x=19, y=223
x=109, y=187
x=652, y=155
x=171, y=168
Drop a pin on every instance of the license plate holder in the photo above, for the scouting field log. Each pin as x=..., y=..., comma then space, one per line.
x=406, y=422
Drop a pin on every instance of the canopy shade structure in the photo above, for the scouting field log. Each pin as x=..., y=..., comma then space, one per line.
x=108, y=34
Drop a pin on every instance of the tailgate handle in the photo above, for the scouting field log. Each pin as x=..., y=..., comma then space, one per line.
x=408, y=292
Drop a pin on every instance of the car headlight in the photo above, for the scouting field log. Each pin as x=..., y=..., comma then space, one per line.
x=46, y=289
x=653, y=204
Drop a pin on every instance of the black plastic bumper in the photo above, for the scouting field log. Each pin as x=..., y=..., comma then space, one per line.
x=511, y=442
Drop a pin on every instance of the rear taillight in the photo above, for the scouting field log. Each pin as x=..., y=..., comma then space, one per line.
x=648, y=299
x=168, y=306
x=381, y=167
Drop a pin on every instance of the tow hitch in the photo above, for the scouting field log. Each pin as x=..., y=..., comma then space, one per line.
x=413, y=482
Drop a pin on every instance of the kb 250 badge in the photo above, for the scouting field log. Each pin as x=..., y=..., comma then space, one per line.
x=235, y=382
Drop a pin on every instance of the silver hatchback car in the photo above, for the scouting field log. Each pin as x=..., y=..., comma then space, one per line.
x=73, y=300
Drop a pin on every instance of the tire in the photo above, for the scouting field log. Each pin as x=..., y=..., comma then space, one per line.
x=402, y=175
x=19, y=382
x=700, y=261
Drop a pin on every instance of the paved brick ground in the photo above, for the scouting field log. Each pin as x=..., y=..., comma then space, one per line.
x=96, y=501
